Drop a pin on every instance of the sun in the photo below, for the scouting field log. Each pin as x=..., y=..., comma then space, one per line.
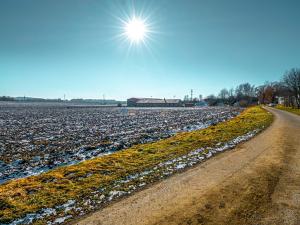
x=135, y=30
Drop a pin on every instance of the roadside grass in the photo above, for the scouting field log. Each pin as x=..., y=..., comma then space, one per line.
x=28, y=195
x=289, y=109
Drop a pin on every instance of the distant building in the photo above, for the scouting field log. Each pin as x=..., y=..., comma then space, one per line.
x=153, y=102
x=289, y=101
x=280, y=100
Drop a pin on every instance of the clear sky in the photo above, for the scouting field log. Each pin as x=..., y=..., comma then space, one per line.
x=49, y=48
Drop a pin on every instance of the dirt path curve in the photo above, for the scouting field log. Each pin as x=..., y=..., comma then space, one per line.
x=256, y=183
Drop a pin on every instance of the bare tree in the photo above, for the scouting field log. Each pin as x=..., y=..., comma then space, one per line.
x=245, y=89
x=267, y=93
x=291, y=79
x=231, y=92
x=245, y=92
x=224, y=94
x=211, y=100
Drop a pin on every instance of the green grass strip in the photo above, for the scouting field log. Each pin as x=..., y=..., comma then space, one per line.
x=289, y=109
x=28, y=195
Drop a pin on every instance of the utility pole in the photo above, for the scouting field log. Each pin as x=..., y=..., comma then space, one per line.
x=191, y=94
x=64, y=97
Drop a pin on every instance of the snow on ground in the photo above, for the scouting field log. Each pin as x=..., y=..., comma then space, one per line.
x=35, y=138
x=130, y=184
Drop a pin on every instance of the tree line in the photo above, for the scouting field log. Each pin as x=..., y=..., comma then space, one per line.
x=6, y=98
x=286, y=91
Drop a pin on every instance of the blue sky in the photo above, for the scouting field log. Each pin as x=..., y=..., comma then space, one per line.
x=51, y=48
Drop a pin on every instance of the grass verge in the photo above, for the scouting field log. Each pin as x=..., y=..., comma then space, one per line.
x=289, y=109
x=29, y=195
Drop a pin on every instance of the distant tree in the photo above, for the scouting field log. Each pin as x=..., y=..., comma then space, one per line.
x=6, y=98
x=231, y=92
x=211, y=100
x=231, y=97
x=285, y=93
x=260, y=93
x=186, y=98
x=269, y=94
x=291, y=80
x=245, y=90
x=224, y=94
x=211, y=97
x=246, y=93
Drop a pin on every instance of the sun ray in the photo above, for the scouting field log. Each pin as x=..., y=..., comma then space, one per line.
x=135, y=29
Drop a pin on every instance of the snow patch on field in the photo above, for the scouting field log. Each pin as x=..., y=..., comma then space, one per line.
x=36, y=139
x=129, y=184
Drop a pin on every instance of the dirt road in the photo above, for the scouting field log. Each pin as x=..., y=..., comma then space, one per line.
x=256, y=183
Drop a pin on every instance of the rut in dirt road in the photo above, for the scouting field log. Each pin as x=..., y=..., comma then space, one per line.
x=256, y=183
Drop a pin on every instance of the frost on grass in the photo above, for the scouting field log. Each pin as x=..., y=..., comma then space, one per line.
x=129, y=184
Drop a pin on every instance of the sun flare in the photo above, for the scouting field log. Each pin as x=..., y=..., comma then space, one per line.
x=135, y=30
